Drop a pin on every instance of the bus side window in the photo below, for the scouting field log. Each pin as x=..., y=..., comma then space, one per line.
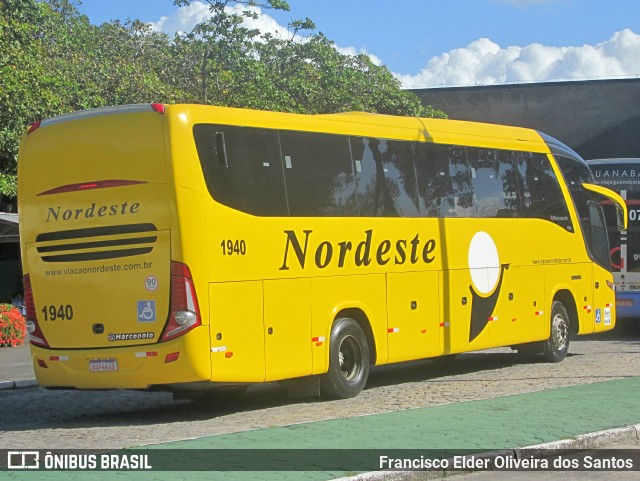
x=460, y=174
x=435, y=183
x=318, y=174
x=575, y=174
x=599, y=239
x=495, y=183
x=511, y=184
x=385, y=177
x=242, y=168
x=542, y=195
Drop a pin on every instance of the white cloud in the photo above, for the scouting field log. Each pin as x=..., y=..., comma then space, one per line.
x=484, y=62
x=185, y=18
x=353, y=51
x=264, y=22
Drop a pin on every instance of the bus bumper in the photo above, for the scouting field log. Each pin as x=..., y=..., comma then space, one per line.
x=185, y=359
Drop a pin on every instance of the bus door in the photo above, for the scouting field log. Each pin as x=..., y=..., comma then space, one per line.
x=598, y=238
x=591, y=282
x=604, y=309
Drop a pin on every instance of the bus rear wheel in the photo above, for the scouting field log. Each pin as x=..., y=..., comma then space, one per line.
x=557, y=346
x=348, y=361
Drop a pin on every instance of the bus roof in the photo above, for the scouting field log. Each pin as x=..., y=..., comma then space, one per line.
x=444, y=131
x=369, y=124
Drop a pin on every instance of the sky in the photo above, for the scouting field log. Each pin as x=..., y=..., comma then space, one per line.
x=444, y=43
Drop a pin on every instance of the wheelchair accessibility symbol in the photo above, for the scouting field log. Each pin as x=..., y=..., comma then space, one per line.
x=146, y=311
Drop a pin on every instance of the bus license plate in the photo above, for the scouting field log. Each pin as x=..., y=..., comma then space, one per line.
x=100, y=365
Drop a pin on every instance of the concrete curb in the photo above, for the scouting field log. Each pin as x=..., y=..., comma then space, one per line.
x=18, y=384
x=584, y=441
x=592, y=440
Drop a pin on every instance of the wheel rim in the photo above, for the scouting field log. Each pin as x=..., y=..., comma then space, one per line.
x=560, y=332
x=350, y=357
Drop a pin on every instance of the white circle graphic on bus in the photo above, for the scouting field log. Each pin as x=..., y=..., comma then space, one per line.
x=484, y=262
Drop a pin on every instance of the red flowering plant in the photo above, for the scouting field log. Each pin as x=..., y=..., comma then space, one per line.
x=12, y=326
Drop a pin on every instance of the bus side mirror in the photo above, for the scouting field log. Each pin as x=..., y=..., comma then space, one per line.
x=611, y=197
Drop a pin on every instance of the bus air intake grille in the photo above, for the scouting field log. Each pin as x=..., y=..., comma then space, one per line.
x=97, y=243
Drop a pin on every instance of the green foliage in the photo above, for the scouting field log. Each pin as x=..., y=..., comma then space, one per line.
x=53, y=61
x=8, y=184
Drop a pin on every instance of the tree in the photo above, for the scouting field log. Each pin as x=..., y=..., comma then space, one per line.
x=316, y=78
x=39, y=49
x=53, y=61
x=220, y=52
x=232, y=64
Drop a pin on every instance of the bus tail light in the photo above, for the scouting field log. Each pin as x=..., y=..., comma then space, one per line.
x=185, y=313
x=34, y=126
x=35, y=333
x=159, y=108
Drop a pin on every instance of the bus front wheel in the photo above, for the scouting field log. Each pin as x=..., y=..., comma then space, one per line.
x=348, y=361
x=557, y=346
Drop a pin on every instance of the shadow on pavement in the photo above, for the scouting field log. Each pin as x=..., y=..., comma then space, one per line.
x=66, y=409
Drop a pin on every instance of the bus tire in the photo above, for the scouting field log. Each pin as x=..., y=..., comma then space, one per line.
x=557, y=346
x=348, y=361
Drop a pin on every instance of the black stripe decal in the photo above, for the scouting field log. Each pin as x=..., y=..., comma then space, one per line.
x=95, y=231
x=96, y=244
x=95, y=256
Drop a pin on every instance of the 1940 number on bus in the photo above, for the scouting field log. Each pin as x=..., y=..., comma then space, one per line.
x=53, y=313
x=231, y=247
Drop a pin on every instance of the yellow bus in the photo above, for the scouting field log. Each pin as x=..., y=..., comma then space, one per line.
x=188, y=247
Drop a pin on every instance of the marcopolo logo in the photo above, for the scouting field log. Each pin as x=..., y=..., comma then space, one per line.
x=359, y=253
x=59, y=213
x=130, y=336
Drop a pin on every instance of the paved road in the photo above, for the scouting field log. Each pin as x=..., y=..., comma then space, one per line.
x=37, y=418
